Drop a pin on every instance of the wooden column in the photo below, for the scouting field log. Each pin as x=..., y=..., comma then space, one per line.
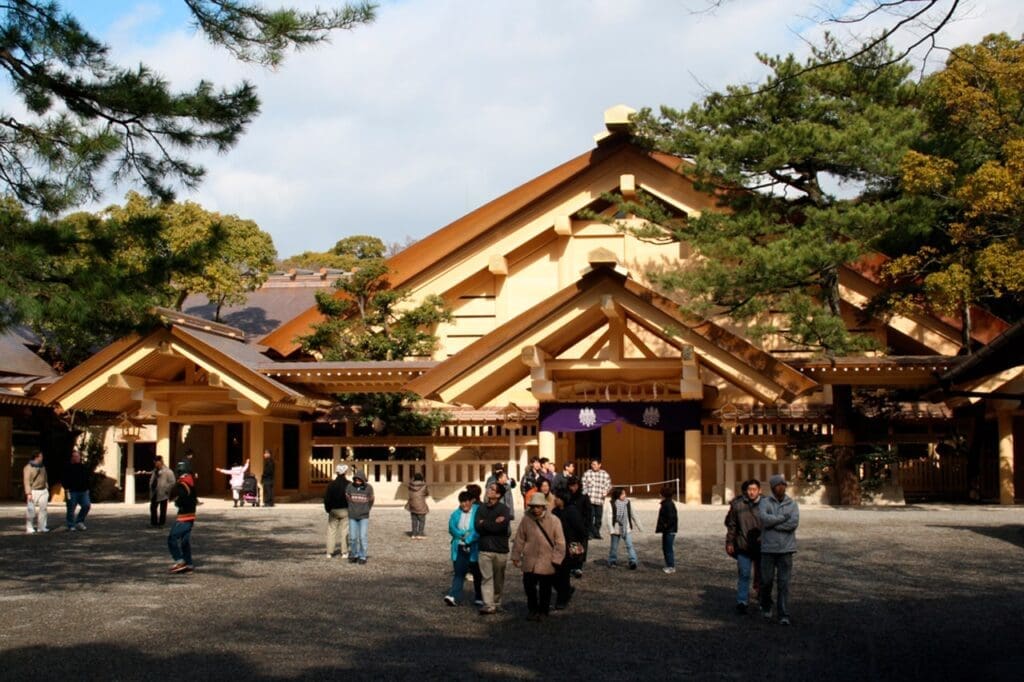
x=6, y=447
x=546, y=442
x=163, y=440
x=843, y=440
x=254, y=446
x=305, y=459
x=1006, y=488
x=692, y=440
x=129, y=472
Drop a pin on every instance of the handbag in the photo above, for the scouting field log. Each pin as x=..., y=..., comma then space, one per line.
x=576, y=549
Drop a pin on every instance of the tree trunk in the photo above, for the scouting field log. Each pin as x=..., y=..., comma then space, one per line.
x=843, y=439
x=182, y=295
x=965, y=328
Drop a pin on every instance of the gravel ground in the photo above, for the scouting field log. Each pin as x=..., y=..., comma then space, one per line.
x=894, y=593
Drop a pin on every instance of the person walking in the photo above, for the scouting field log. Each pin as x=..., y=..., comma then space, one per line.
x=336, y=506
x=621, y=523
x=360, y=501
x=538, y=548
x=267, y=478
x=574, y=529
x=179, y=541
x=581, y=502
x=493, y=523
x=417, y=507
x=161, y=482
x=780, y=517
x=237, y=480
x=596, y=484
x=668, y=525
x=37, y=494
x=743, y=541
x=76, y=487
x=465, y=546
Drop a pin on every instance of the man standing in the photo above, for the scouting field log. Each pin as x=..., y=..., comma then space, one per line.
x=268, y=479
x=37, y=494
x=532, y=477
x=360, y=501
x=559, y=485
x=161, y=482
x=76, y=486
x=743, y=540
x=492, y=526
x=336, y=506
x=780, y=516
x=179, y=541
x=596, y=484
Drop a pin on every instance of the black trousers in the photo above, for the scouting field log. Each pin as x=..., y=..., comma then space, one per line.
x=534, y=583
x=268, y=492
x=153, y=506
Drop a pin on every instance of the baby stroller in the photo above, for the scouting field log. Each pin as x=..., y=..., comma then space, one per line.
x=250, y=491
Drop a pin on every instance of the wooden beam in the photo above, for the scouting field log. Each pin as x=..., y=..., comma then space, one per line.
x=233, y=383
x=639, y=344
x=498, y=265
x=542, y=389
x=533, y=356
x=154, y=408
x=592, y=352
x=563, y=225
x=126, y=381
x=611, y=309
x=248, y=407
x=90, y=386
x=627, y=186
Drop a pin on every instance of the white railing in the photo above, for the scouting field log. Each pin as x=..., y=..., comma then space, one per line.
x=451, y=472
x=739, y=470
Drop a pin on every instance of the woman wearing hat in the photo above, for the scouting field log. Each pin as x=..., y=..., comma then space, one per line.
x=538, y=548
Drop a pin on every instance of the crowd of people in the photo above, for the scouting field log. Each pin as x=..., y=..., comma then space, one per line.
x=550, y=544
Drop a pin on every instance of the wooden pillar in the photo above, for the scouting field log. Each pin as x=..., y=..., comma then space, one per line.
x=335, y=457
x=305, y=458
x=565, y=274
x=163, y=440
x=1006, y=488
x=843, y=441
x=430, y=458
x=692, y=444
x=254, y=446
x=6, y=455
x=129, y=472
x=219, y=450
x=546, y=442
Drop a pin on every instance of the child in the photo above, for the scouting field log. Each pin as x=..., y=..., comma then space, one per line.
x=237, y=474
x=618, y=516
x=179, y=542
x=668, y=526
x=417, y=506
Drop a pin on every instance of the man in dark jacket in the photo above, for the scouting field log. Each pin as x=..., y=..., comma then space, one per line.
x=267, y=479
x=76, y=485
x=743, y=541
x=360, y=501
x=179, y=541
x=581, y=502
x=492, y=525
x=336, y=506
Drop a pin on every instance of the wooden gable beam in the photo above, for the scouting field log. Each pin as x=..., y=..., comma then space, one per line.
x=100, y=379
x=126, y=381
x=227, y=380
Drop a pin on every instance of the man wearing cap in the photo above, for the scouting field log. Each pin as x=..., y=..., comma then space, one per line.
x=179, y=541
x=336, y=506
x=76, y=485
x=539, y=546
x=780, y=516
x=37, y=494
x=360, y=501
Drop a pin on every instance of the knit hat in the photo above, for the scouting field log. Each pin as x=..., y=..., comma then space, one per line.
x=182, y=468
x=359, y=475
x=537, y=500
x=341, y=469
x=776, y=479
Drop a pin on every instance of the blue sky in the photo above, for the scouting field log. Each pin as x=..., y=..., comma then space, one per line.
x=398, y=128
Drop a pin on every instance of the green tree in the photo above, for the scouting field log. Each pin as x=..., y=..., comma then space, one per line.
x=344, y=255
x=86, y=116
x=968, y=170
x=367, y=320
x=773, y=156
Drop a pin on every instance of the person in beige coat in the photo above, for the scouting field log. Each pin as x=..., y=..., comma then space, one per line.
x=538, y=548
x=37, y=494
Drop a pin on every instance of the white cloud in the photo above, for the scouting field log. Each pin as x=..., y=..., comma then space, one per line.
x=402, y=126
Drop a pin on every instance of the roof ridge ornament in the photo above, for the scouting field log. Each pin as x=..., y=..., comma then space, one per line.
x=616, y=121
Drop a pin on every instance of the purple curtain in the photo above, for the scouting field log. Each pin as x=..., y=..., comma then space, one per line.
x=660, y=416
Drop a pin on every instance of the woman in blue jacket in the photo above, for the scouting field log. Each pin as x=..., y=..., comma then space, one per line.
x=465, y=548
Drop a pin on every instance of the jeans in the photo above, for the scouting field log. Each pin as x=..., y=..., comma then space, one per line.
x=745, y=565
x=179, y=541
x=419, y=525
x=492, y=571
x=35, y=511
x=337, y=530
x=154, y=506
x=595, y=518
x=783, y=564
x=358, y=537
x=613, y=553
x=78, y=499
x=668, y=541
x=534, y=582
x=461, y=567
x=268, y=492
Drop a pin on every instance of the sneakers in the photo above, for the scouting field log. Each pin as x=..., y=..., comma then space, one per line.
x=784, y=620
x=43, y=530
x=612, y=564
x=330, y=556
x=353, y=559
x=577, y=573
x=362, y=561
x=632, y=565
x=30, y=531
x=80, y=526
x=71, y=529
x=766, y=614
x=741, y=609
x=450, y=600
x=479, y=603
x=669, y=570
x=180, y=567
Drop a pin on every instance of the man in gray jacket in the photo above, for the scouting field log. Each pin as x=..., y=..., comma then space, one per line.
x=780, y=515
x=161, y=482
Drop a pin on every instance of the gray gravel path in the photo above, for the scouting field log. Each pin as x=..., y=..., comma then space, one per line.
x=895, y=593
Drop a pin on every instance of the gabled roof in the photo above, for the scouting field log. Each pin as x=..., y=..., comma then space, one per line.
x=16, y=358
x=569, y=316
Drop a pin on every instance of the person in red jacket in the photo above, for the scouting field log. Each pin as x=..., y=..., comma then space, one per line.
x=179, y=542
